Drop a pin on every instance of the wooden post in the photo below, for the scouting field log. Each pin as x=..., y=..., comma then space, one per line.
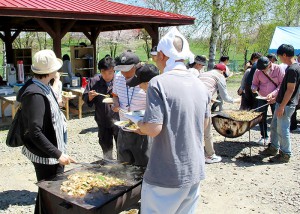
x=93, y=38
x=8, y=39
x=152, y=29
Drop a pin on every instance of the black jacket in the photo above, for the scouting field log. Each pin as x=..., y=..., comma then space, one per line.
x=37, y=119
x=104, y=116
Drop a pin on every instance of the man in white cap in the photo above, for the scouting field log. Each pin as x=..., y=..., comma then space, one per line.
x=177, y=104
x=42, y=119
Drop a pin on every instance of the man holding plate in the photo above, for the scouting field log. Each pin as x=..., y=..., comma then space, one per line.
x=266, y=80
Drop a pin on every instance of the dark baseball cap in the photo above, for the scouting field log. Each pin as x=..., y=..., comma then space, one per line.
x=126, y=61
x=143, y=74
x=262, y=63
x=272, y=56
x=200, y=60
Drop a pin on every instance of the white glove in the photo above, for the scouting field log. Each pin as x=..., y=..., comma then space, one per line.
x=133, y=118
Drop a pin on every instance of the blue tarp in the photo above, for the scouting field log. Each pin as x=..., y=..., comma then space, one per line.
x=286, y=35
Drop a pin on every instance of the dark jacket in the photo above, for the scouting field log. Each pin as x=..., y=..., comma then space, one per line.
x=104, y=116
x=37, y=119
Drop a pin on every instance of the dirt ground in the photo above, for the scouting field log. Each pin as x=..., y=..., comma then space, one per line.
x=239, y=184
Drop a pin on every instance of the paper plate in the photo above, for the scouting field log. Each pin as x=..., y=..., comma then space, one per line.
x=72, y=96
x=108, y=100
x=261, y=98
x=123, y=124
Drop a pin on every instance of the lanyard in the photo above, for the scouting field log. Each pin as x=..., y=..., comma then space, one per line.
x=129, y=101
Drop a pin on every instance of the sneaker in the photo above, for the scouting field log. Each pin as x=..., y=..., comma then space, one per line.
x=270, y=151
x=280, y=158
x=263, y=141
x=213, y=159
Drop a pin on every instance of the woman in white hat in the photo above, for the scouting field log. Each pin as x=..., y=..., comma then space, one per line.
x=42, y=119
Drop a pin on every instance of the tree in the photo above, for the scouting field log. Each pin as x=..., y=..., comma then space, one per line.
x=215, y=24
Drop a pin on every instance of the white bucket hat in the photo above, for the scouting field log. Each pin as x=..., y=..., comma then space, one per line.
x=45, y=62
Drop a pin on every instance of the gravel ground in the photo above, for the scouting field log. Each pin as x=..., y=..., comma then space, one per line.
x=239, y=184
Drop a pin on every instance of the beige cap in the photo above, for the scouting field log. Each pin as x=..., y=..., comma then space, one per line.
x=45, y=62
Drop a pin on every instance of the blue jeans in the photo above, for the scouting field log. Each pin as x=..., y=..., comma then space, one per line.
x=280, y=130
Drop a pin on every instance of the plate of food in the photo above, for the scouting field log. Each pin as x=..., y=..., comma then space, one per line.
x=68, y=94
x=108, y=100
x=261, y=97
x=127, y=125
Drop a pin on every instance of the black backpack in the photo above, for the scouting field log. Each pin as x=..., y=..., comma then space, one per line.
x=15, y=136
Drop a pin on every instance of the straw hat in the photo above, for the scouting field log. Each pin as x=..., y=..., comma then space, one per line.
x=45, y=62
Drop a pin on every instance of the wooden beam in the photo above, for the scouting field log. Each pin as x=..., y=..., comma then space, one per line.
x=16, y=34
x=2, y=37
x=88, y=35
x=67, y=28
x=46, y=27
x=57, y=38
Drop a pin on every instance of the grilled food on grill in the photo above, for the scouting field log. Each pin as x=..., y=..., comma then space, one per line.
x=81, y=183
x=241, y=115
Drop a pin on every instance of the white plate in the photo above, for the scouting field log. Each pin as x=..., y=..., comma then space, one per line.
x=108, y=100
x=261, y=98
x=122, y=124
x=72, y=96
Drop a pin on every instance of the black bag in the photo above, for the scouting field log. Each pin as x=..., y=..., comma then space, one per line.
x=16, y=134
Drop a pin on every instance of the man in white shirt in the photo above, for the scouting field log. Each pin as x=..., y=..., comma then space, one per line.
x=132, y=147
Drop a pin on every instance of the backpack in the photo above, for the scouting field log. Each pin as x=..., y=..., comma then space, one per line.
x=16, y=134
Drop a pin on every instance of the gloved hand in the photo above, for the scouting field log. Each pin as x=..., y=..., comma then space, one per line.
x=133, y=118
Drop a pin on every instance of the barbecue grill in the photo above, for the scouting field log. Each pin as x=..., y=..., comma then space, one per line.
x=116, y=200
x=231, y=128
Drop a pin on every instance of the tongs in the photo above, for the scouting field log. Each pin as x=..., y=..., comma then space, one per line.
x=87, y=164
x=252, y=110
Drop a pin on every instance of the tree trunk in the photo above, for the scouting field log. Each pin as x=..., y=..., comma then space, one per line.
x=214, y=33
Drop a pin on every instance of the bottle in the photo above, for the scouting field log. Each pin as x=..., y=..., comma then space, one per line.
x=83, y=82
x=20, y=66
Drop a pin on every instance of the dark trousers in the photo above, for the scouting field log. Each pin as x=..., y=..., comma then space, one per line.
x=42, y=172
x=250, y=100
x=244, y=102
x=133, y=148
x=217, y=104
x=263, y=124
x=106, y=136
x=294, y=121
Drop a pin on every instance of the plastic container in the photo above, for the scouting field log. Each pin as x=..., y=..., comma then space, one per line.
x=20, y=67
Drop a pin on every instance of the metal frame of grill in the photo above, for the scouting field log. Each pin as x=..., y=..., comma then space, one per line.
x=118, y=199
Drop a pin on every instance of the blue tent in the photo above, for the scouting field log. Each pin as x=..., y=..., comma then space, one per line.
x=286, y=35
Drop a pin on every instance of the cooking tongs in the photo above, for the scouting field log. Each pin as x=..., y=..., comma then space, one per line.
x=88, y=164
x=252, y=110
x=104, y=95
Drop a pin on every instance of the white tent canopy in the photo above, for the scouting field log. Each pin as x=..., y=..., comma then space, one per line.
x=286, y=35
